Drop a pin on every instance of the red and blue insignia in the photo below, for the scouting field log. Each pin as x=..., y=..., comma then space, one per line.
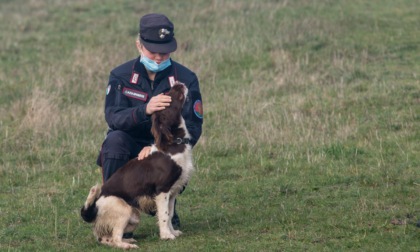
x=198, y=109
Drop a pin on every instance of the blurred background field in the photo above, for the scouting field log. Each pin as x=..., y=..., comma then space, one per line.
x=311, y=133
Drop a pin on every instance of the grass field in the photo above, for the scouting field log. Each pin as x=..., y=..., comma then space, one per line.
x=311, y=133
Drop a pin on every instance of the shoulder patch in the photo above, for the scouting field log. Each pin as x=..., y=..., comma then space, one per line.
x=198, y=109
x=108, y=89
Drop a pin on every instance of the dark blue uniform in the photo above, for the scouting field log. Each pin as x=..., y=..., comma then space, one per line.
x=128, y=92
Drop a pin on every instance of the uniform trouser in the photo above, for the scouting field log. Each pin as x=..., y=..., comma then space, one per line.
x=117, y=149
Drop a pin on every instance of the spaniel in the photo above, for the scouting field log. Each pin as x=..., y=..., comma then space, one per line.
x=142, y=185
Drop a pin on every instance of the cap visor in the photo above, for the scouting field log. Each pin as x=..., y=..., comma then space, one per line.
x=160, y=48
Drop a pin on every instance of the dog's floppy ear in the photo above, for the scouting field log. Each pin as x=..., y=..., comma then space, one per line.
x=161, y=131
x=166, y=133
x=180, y=96
x=156, y=130
x=179, y=90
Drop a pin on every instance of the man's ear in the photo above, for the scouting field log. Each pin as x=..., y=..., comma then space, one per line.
x=138, y=45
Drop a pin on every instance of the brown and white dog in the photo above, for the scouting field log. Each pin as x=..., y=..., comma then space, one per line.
x=115, y=207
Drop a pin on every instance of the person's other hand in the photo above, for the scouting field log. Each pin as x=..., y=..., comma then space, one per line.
x=144, y=153
x=158, y=103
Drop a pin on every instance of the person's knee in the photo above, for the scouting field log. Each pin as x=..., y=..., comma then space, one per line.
x=117, y=139
x=117, y=149
x=119, y=142
x=111, y=165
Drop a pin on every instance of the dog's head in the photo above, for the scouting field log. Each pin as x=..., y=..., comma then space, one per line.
x=166, y=122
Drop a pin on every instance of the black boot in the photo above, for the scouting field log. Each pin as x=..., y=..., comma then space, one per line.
x=175, y=219
x=128, y=235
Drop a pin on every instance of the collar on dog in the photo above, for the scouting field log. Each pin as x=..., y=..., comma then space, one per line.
x=182, y=140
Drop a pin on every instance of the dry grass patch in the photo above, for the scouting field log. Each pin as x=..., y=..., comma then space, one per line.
x=41, y=113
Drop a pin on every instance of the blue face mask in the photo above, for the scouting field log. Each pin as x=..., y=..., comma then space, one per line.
x=153, y=66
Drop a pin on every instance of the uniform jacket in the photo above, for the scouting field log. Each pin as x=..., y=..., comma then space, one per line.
x=129, y=90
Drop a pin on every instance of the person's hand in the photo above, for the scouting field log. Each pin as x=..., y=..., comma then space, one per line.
x=144, y=152
x=157, y=103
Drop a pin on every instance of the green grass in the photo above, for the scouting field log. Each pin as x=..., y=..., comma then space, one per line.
x=311, y=134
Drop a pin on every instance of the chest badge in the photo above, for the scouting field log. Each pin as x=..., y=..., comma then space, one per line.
x=135, y=94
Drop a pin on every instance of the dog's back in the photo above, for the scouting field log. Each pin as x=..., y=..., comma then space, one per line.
x=148, y=177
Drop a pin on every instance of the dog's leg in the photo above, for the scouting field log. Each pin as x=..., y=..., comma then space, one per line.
x=171, y=214
x=118, y=215
x=106, y=240
x=162, y=204
x=132, y=224
x=117, y=240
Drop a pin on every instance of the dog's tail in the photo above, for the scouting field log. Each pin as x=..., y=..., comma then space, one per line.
x=89, y=209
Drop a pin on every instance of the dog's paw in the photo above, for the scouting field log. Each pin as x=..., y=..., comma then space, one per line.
x=133, y=246
x=125, y=246
x=167, y=236
x=177, y=233
x=131, y=240
x=130, y=246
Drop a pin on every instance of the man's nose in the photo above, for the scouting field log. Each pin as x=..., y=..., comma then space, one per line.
x=160, y=55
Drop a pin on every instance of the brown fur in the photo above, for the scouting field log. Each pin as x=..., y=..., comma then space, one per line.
x=166, y=122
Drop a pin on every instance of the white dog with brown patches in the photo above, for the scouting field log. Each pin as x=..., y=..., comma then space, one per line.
x=141, y=185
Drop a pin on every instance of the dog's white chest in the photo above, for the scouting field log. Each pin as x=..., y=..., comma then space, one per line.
x=184, y=160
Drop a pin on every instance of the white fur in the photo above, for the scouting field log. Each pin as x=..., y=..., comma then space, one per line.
x=153, y=149
x=165, y=202
x=184, y=160
x=114, y=218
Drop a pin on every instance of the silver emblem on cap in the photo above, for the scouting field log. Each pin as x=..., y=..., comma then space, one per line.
x=163, y=32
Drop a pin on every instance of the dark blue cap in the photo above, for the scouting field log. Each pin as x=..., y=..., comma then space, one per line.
x=157, y=33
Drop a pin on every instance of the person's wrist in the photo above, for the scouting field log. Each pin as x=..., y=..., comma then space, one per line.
x=147, y=110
